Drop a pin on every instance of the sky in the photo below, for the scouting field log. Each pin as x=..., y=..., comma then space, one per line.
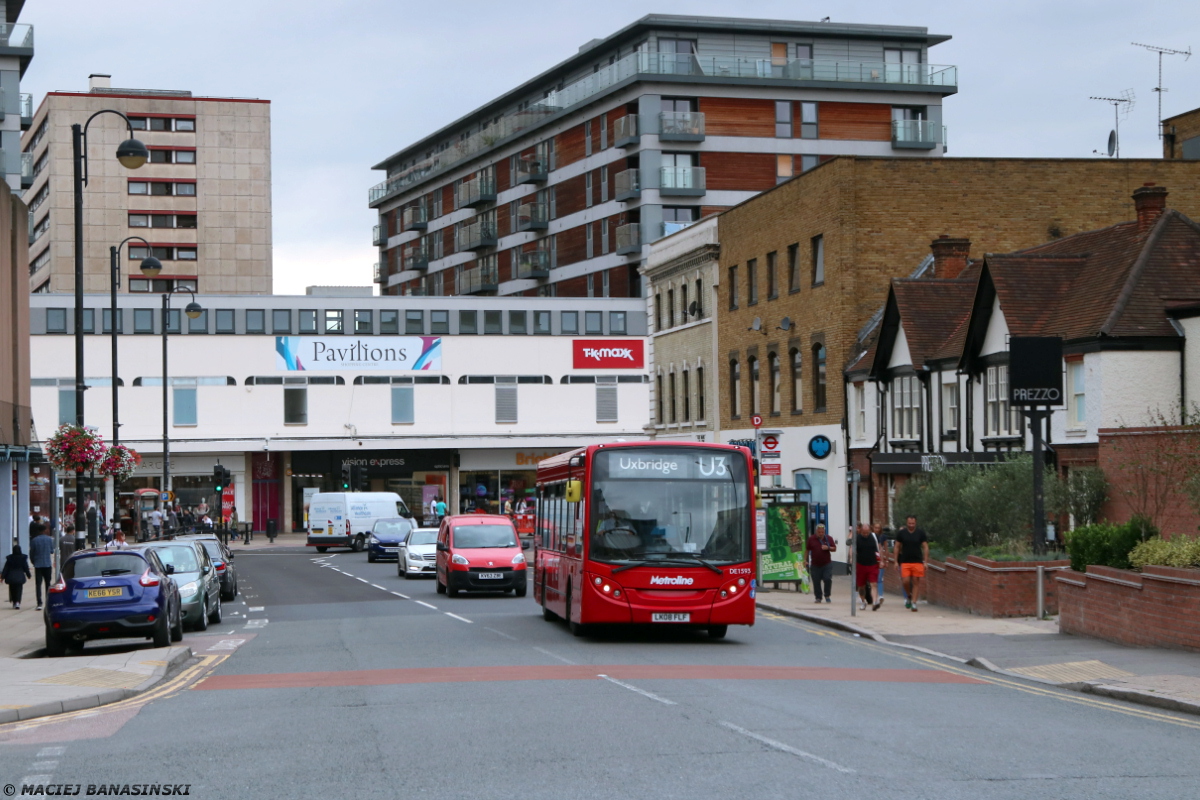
x=352, y=82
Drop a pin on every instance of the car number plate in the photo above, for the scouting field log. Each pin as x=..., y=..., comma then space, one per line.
x=670, y=617
x=489, y=576
x=116, y=592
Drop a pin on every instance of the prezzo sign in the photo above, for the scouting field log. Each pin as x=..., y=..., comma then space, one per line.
x=608, y=354
x=309, y=353
x=1035, y=371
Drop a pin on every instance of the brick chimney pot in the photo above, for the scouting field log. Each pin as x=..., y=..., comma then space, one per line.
x=949, y=256
x=1150, y=202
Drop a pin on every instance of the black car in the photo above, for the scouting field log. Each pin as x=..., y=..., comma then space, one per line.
x=222, y=558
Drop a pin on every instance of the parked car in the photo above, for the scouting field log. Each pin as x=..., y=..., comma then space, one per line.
x=194, y=573
x=418, y=553
x=222, y=558
x=479, y=552
x=344, y=519
x=385, y=538
x=103, y=594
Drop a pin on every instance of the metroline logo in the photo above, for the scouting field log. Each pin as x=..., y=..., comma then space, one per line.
x=663, y=580
x=606, y=354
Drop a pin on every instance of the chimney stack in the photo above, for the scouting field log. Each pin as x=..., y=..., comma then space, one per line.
x=99, y=80
x=1150, y=202
x=949, y=256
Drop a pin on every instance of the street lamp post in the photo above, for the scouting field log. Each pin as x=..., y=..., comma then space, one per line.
x=192, y=310
x=151, y=266
x=132, y=154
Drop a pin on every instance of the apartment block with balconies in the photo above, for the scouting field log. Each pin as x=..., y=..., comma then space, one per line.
x=560, y=186
x=16, y=107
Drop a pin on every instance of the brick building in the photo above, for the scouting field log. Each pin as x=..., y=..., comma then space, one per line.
x=1181, y=136
x=560, y=185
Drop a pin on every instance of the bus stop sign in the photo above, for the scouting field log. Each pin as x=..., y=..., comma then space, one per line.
x=1035, y=371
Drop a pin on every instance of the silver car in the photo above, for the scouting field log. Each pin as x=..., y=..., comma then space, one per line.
x=418, y=553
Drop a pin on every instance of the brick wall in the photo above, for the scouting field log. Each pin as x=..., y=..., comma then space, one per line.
x=1184, y=127
x=1138, y=464
x=987, y=588
x=1159, y=607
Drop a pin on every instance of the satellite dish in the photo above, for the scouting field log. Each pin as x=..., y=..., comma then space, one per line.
x=756, y=325
x=694, y=308
x=785, y=324
x=1112, y=143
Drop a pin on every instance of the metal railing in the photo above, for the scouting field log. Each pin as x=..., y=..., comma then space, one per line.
x=918, y=130
x=625, y=130
x=629, y=238
x=484, y=278
x=533, y=217
x=416, y=257
x=379, y=235
x=27, y=165
x=627, y=184
x=414, y=219
x=675, y=227
x=475, y=191
x=26, y=103
x=684, y=179
x=475, y=236
x=534, y=264
x=681, y=125
x=532, y=169
x=378, y=273
x=16, y=35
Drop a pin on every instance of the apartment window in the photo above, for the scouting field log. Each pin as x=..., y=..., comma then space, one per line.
x=605, y=284
x=1000, y=420
x=616, y=323
x=56, y=320
x=733, y=288
x=793, y=262
x=676, y=218
x=1076, y=396
x=173, y=321
x=162, y=188
x=468, y=322
x=199, y=323
x=818, y=378
x=659, y=403
x=808, y=120
x=686, y=396
x=783, y=168
x=295, y=405
x=172, y=156
x=591, y=285
x=593, y=322
x=589, y=250
x=362, y=322
x=860, y=411
x=950, y=408
x=439, y=322
x=334, y=321
x=755, y=387
x=603, y=181
x=818, y=260
x=604, y=125
x=587, y=188
x=389, y=321
x=735, y=389
x=906, y=407
x=569, y=321
x=808, y=162
x=225, y=322
x=143, y=320
x=183, y=409
x=587, y=141
x=281, y=320
x=752, y=282
x=699, y=298
x=783, y=119
x=493, y=322
x=177, y=253
x=606, y=398
x=776, y=388
x=670, y=308
x=673, y=404
x=106, y=320
x=772, y=276
x=604, y=237
x=516, y=322
x=89, y=320
x=658, y=326
x=506, y=399
x=683, y=304
x=402, y=405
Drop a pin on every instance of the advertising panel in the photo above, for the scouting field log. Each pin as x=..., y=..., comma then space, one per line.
x=404, y=353
x=608, y=354
x=787, y=533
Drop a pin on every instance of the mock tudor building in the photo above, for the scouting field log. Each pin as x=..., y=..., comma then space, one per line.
x=560, y=185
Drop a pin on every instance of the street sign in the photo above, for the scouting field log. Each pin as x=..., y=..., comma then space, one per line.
x=1035, y=371
x=820, y=446
x=770, y=442
x=166, y=497
x=756, y=420
x=772, y=469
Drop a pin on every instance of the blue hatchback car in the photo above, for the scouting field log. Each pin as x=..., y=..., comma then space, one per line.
x=386, y=537
x=112, y=594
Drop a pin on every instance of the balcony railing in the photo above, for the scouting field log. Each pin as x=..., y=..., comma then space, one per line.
x=917, y=134
x=416, y=257
x=378, y=272
x=27, y=174
x=681, y=126
x=17, y=35
x=675, y=227
x=475, y=236
x=534, y=264
x=629, y=238
x=532, y=169
x=413, y=219
x=26, y=103
x=478, y=280
x=379, y=235
x=533, y=217
x=625, y=131
x=475, y=192
x=627, y=185
x=681, y=181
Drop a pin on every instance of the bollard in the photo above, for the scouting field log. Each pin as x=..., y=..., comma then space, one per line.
x=1041, y=592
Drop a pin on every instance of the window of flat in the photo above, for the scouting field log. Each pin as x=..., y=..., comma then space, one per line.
x=363, y=322
x=818, y=382
x=414, y=321
x=677, y=56
x=659, y=416
x=183, y=411
x=676, y=218
x=593, y=322
x=672, y=405
x=468, y=322
x=774, y=376
x=1076, y=396
x=755, y=386
x=685, y=397
x=541, y=322
x=439, y=322
x=699, y=299
x=516, y=322
x=493, y=322
x=808, y=121
x=752, y=282
x=281, y=320
x=256, y=320
x=670, y=308
x=783, y=168
x=56, y=320
x=793, y=267
x=295, y=405
x=949, y=408
x=733, y=288
x=143, y=320
x=658, y=318
x=818, y=260
x=783, y=119
x=681, y=105
x=797, y=379
x=334, y=321
x=587, y=189
x=906, y=407
x=198, y=323
x=225, y=321
x=808, y=162
x=700, y=394
x=389, y=321
x=683, y=303
x=308, y=320
x=860, y=411
x=772, y=276
x=402, y=405
x=735, y=389
x=999, y=419
x=569, y=320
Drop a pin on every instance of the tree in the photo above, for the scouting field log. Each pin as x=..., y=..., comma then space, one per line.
x=1157, y=468
x=1085, y=491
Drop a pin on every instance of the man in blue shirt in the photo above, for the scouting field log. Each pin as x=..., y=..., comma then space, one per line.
x=41, y=551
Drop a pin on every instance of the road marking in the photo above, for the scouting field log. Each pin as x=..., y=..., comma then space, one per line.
x=423, y=603
x=46, y=765
x=642, y=692
x=377, y=586
x=498, y=633
x=406, y=597
x=547, y=652
x=51, y=752
x=258, y=608
x=35, y=780
x=364, y=580
x=824, y=762
x=255, y=623
x=456, y=616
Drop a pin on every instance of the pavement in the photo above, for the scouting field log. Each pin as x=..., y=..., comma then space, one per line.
x=1023, y=647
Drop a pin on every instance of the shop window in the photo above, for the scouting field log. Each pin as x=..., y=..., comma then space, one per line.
x=389, y=321
x=363, y=322
x=198, y=324
x=143, y=320
x=173, y=320
x=334, y=321
x=402, y=405
x=616, y=323
x=89, y=320
x=66, y=406
x=295, y=405
x=106, y=320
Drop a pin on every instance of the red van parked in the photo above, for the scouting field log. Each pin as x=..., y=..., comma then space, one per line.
x=480, y=552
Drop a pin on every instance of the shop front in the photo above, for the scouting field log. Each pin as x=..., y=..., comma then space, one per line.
x=191, y=481
x=487, y=479
x=418, y=476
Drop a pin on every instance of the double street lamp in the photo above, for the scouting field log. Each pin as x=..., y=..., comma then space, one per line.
x=193, y=311
x=150, y=266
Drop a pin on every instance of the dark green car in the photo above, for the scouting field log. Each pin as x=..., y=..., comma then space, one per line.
x=199, y=584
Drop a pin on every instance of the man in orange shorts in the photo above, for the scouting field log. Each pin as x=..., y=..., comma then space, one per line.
x=910, y=553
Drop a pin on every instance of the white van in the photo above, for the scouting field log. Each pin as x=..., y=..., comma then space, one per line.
x=345, y=519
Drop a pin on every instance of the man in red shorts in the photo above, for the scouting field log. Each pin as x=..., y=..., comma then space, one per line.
x=866, y=566
x=911, y=553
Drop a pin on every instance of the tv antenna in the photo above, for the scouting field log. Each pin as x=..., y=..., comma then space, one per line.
x=1162, y=51
x=1121, y=106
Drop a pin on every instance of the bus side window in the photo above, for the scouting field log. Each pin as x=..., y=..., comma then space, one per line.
x=560, y=508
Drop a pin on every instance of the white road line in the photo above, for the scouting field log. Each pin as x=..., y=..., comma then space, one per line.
x=501, y=633
x=642, y=692
x=377, y=586
x=258, y=608
x=406, y=597
x=423, y=603
x=786, y=748
x=51, y=752
x=45, y=765
x=456, y=616
x=34, y=780
x=364, y=580
x=552, y=655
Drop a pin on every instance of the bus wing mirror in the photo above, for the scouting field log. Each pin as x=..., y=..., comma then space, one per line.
x=574, y=491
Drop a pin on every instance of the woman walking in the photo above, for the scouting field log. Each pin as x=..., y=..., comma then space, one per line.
x=16, y=571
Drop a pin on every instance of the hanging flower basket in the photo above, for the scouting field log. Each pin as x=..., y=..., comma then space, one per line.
x=73, y=448
x=119, y=463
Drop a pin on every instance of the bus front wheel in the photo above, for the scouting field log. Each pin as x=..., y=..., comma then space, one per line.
x=717, y=631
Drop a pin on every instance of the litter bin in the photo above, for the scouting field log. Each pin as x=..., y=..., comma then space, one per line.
x=272, y=529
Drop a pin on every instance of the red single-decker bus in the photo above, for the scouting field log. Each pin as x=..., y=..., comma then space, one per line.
x=646, y=532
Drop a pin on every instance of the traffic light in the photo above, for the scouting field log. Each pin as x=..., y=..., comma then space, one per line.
x=347, y=477
x=358, y=478
x=218, y=478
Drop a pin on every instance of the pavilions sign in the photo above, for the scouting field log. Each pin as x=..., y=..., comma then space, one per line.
x=405, y=353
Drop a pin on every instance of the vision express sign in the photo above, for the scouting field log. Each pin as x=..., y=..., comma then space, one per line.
x=402, y=353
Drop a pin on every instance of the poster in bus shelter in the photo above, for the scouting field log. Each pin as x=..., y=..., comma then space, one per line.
x=787, y=533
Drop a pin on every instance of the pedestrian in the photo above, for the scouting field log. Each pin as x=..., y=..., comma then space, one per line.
x=15, y=573
x=93, y=523
x=118, y=542
x=881, y=539
x=33, y=523
x=508, y=507
x=819, y=559
x=866, y=566
x=41, y=553
x=911, y=552
x=156, y=521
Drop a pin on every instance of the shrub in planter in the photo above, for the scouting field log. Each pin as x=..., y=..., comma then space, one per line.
x=1105, y=544
x=1181, y=551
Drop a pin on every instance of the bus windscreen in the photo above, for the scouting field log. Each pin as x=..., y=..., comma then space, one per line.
x=670, y=503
